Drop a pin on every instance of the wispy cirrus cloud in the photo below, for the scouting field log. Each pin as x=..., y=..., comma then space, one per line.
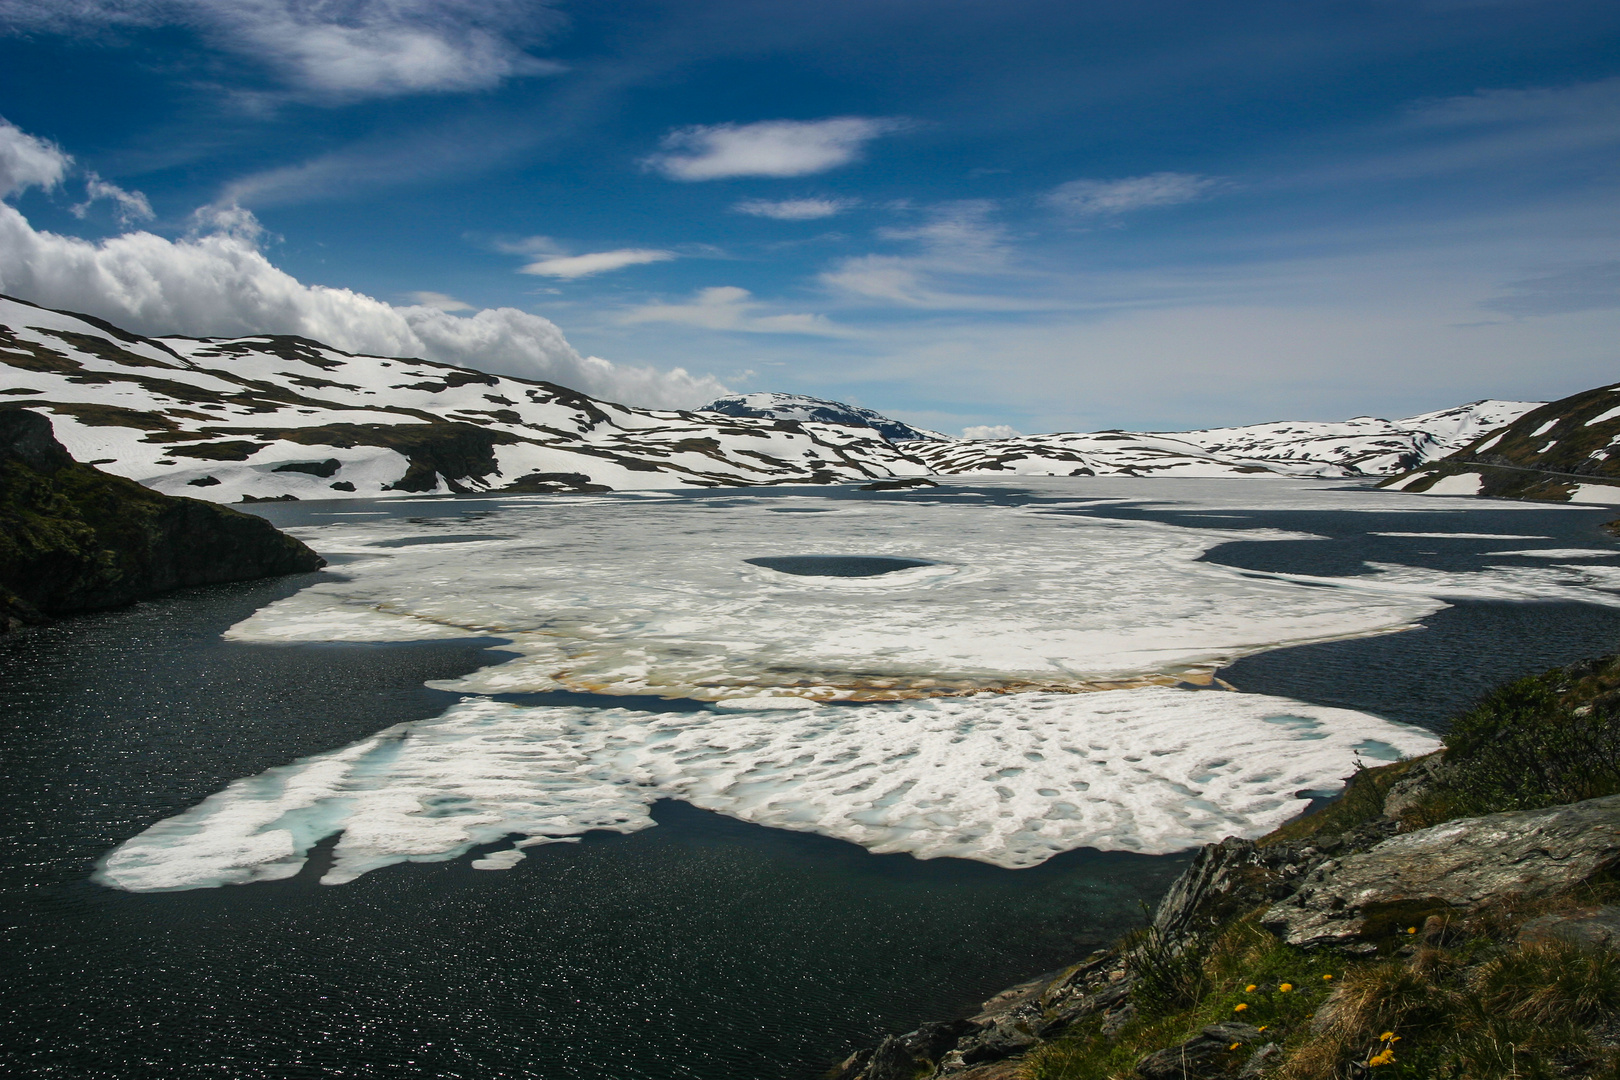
x=727, y=307
x=960, y=256
x=1095, y=198
x=596, y=262
x=794, y=209
x=354, y=48
x=777, y=148
x=1589, y=287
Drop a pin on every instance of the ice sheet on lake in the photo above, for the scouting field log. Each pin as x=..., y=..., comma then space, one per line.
x=1010, y=780
x=657, y=598
x=611, y=595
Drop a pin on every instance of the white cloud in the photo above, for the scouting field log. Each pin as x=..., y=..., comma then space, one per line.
x=597, y=262
x=27, y=161
x=356, y=48
x=530, y=245
x=959, y=248
x=220, y=284
x=767, y=148
x=726, y=307
x=990, y=431
x=794, y=209
x=131, y=206
x=440, y=300
x=1099, y=197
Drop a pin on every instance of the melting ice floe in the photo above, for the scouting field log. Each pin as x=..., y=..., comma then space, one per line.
x=655, y=596
x=658, y=597
x=1010, y=780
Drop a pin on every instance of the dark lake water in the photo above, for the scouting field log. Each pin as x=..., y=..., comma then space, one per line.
x=704, y=947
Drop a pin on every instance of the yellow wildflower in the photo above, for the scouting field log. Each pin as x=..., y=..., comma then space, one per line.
x=1249, y=989
x=1239, y=1007
x=1285, y=987
x=1327, y=978
x=1411, y=929
x=1234, y=1046
x=1262, y=1027
x=1386, y=1036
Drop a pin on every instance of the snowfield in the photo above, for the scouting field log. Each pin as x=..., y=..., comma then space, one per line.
x=257, y=418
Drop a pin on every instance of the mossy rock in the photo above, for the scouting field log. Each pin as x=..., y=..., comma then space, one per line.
x=73, y=538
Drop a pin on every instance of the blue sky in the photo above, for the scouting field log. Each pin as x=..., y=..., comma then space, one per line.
x=1051, y=216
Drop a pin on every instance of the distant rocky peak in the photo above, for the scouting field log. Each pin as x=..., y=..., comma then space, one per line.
x=819, y=410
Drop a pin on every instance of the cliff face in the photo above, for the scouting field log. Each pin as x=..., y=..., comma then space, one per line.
x=73, y=538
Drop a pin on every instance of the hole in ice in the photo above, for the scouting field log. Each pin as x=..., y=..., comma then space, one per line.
x=1297, y=723
x=837, y=565
x=414, y=541
x=1376, y=748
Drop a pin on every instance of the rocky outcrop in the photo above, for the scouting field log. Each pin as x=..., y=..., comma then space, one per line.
x=1209, y=1053
x=1236, y=875
x=1450, y=869
x=1010, y=1023
x=1353, y=890
x=1594, y=926
x=73, y=538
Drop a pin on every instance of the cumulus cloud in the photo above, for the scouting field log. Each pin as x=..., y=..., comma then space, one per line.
x=990, y=431
x=354, y=48
x=220, y=284
x=597, y=262
x=128, y=206
x=27, y=161
x=726, y=307
x=1093, y=198
x=767, y=148
x=794, y=209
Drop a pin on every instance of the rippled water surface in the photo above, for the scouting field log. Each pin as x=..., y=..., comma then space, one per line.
x=704, y=947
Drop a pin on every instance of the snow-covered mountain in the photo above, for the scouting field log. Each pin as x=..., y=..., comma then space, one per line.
x=1363, y=446
x=255, y=418
x=1565, y=451
x=250, y=418
x=821, y=411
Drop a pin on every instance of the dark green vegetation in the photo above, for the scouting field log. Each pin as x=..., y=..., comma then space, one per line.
x=1472, y=998
x=73, y=538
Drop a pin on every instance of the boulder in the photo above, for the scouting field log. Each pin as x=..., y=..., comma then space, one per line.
x=1595, y=926
x=1213, y=1052
x=903, y=1057
x=1454, y=868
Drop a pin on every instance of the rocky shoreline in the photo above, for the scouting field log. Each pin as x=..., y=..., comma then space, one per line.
x=1288, y=956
